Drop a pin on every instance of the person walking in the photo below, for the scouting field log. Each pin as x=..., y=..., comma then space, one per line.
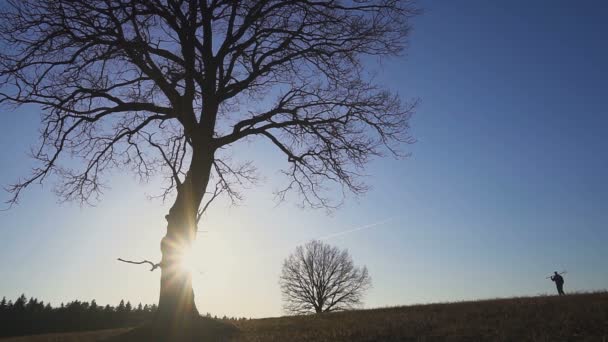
x=559, y=283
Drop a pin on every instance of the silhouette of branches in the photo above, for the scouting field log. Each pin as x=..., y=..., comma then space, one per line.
x=150, y=86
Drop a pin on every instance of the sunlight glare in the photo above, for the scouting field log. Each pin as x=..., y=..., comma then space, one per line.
x=187, y=260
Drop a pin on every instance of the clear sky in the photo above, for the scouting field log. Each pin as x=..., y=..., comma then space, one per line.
x=506, y=183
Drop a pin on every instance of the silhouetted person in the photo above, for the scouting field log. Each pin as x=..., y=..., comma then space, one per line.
x=559, y=283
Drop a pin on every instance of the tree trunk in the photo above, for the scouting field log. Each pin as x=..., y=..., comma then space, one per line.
x=176, y=307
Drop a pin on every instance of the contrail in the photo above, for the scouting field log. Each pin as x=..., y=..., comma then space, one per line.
x=344, y=232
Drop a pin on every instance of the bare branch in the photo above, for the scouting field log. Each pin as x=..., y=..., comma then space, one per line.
x=154, y=266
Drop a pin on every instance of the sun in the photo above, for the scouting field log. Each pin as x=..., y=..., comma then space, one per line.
x=187, y=261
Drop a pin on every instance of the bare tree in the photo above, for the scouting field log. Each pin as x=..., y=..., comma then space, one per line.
x=168, y=86
x=322, y=278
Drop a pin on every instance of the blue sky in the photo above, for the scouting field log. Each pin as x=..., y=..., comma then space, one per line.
x=505, y=184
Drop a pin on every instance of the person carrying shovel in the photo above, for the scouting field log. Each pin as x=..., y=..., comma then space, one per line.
x=559, y=282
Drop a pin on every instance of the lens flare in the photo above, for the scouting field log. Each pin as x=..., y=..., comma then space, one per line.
x=187, y=260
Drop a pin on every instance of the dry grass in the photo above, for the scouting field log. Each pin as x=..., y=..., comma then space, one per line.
x=578, y=317
x=88, y=336
x=574, y=317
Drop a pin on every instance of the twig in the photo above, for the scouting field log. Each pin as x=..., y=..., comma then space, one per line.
x=154, y=266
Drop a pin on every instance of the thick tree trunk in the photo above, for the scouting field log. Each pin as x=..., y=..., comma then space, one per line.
x=176, y=307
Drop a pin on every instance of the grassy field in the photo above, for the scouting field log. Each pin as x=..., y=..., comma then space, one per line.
x=578, y=317
x=88, y=336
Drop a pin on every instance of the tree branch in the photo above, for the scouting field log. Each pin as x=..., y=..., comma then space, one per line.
x=154, y=266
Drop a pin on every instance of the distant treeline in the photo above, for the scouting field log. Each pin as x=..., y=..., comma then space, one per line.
x=31, y=316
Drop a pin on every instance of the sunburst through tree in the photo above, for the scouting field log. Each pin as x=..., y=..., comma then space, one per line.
x=168, y=87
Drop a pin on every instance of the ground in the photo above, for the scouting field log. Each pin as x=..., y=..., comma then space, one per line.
x=577, y=317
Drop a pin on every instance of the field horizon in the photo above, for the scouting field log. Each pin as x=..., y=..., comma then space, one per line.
x=578, y=316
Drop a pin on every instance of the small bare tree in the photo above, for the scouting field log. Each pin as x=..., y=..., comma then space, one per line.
x=322, y=278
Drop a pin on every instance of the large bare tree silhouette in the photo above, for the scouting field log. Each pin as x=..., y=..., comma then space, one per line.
x=168, y=86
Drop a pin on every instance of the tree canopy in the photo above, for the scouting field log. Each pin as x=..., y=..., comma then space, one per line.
x=139, y=84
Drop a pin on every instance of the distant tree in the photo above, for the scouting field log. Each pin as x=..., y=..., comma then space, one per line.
x=121, y=306
x=20, y=303
x=319, y=278
x=168, y=87
x=33, y=305
x=128, y=307
x=84, y=305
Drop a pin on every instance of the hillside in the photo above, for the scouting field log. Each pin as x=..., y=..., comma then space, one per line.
x=578, y=317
